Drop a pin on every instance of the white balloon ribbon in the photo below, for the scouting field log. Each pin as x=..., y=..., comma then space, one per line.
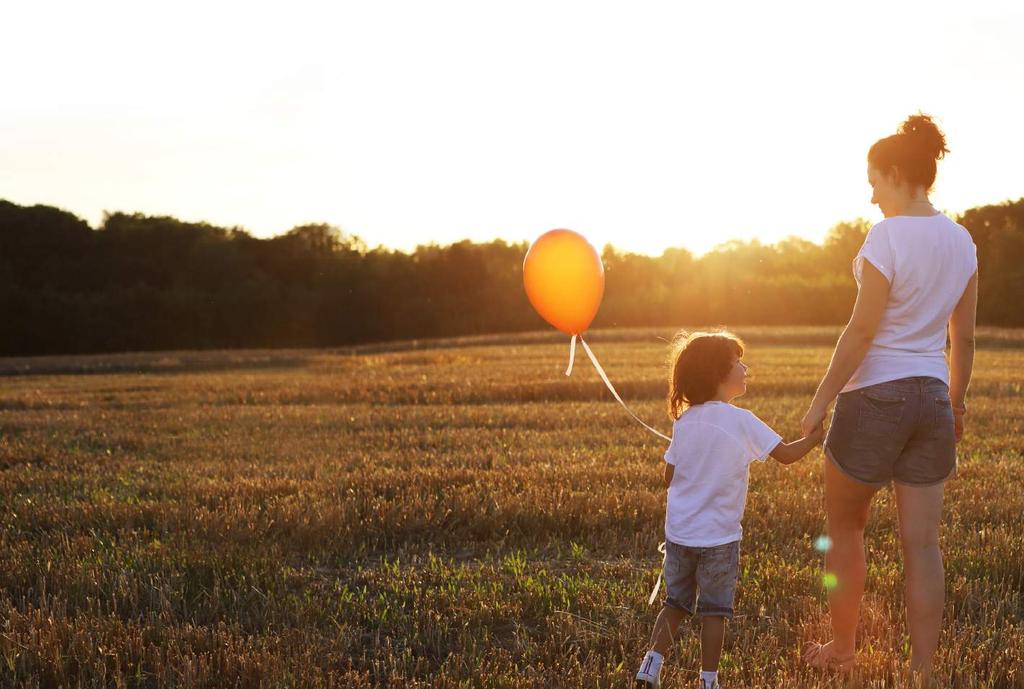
x=608, y=383
x=657, y=583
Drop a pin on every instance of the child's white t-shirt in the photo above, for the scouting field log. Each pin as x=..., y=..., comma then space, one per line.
x=928, y=261
x=712, y=447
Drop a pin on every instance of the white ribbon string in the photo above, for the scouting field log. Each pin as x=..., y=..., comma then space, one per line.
x=572, y=355
x=608, y=383
x=657, y=584
x=600, y=372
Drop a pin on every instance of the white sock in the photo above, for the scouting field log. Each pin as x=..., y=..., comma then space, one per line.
x=651, y=666
x=708, y=678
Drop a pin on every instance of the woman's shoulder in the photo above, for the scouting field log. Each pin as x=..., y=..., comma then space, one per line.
x=880, y=228
x=894, y=221
x=939, y=222
x=962, y=231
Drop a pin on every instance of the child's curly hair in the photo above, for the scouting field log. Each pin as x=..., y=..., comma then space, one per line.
x=698, y=363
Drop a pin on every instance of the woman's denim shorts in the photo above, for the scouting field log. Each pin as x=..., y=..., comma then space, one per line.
x=901, y=430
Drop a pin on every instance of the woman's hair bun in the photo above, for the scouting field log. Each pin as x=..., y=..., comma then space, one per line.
x=924, y=135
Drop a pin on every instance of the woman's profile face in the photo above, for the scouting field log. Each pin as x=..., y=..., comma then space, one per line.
x=884, y=190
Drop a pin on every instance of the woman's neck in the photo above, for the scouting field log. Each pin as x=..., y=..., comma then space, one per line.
x=917, y=205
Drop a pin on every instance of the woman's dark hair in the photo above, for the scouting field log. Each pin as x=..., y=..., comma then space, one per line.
x=699, y=362
x=913, y=151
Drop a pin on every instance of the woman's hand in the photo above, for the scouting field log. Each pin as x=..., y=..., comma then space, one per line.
x=818, y=434
x=814, y=417
x=958, y=421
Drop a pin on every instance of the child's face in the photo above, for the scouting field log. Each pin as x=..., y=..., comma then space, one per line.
x=735, y=384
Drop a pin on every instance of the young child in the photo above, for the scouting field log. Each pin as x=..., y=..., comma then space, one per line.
x=706, y=474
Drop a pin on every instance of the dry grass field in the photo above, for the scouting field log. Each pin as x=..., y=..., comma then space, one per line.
x=447, y=514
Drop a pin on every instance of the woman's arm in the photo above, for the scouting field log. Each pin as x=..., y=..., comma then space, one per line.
x=853, y=344
x=961, y=350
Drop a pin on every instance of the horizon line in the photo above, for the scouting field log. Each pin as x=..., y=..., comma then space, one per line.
x=447, y=244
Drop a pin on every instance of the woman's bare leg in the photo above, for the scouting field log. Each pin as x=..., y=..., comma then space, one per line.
x=920, y=514
x=846, y=506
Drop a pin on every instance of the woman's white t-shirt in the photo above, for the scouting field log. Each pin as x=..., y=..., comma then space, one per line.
x=928, y=261
x=712, y=447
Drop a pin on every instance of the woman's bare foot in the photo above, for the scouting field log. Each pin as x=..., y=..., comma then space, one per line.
x=922, y=678
x=824, y=657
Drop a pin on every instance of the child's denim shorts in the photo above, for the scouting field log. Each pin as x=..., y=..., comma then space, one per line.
x=713, y=571
x=901, y=430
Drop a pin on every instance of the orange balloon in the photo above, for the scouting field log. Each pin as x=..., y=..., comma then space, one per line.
x=564, y=279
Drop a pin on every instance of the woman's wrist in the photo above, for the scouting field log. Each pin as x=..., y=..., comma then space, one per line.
x=818, y=405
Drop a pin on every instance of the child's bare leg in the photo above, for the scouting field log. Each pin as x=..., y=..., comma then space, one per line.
x=712, y=636
x=665, y=628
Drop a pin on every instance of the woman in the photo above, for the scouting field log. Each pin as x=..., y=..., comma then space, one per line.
x=900, y=409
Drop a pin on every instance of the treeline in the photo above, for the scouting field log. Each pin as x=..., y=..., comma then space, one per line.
x=147, y=283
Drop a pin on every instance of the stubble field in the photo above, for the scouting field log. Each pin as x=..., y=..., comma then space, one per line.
x=448, y=514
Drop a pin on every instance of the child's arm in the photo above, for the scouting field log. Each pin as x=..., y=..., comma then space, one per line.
x=670, y=470
x=787, y=453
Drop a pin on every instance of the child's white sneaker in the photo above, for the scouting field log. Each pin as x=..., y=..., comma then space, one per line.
x=650, y=671
x=714, y=685
x=646, y=681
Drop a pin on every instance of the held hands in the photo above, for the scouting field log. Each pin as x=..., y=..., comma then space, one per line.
x=813, y=420
x=817, y=433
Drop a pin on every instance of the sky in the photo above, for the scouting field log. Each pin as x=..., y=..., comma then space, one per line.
x=645, y=125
